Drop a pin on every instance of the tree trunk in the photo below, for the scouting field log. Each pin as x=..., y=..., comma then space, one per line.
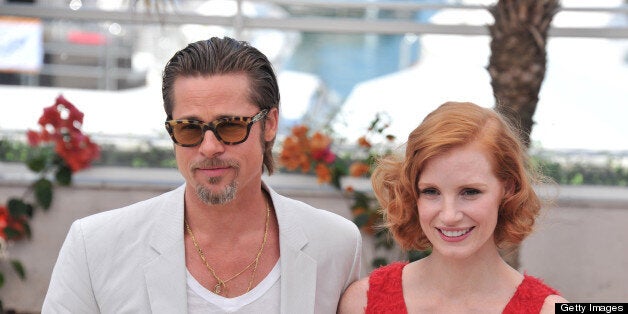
x=518, y=57
x=517, y=65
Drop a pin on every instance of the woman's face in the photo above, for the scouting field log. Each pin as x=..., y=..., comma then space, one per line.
x=459, y=201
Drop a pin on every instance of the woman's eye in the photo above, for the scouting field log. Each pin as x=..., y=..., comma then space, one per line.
x=470, y=192
x=429, y=191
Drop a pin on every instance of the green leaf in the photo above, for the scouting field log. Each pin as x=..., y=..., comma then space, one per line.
x=37, y=163
x=361, y=220
x=12, y=233
x=27, y=229
x=379, y=261
x=414, y=255
x=19, y=269
x=360, y=200
x=43, y=192
x=18, y=208
x=64, y=175
x=384, y=242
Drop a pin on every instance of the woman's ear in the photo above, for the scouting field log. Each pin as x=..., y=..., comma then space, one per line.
x=509, y=188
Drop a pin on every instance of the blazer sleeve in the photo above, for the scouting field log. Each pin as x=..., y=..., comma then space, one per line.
x=70, y=289
x=356, y=268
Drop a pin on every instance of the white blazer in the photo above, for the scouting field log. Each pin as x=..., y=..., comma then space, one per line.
x=132, y=259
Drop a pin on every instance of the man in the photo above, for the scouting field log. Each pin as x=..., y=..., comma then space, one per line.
x=224, y=241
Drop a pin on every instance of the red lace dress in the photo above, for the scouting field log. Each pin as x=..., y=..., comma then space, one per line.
x=385, y=294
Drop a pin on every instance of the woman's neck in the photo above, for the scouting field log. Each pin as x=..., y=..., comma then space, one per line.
x=483, y=271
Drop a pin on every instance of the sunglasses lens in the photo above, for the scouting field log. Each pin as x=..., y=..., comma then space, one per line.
x=232, y=131
x=187, y=133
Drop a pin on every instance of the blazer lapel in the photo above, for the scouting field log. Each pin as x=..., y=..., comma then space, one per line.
x=298, y=270
x=165, y=271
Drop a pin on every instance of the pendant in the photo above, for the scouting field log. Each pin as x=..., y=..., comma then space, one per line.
x=218, y=288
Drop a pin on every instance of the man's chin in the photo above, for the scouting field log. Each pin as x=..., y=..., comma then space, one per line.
x=213, y=194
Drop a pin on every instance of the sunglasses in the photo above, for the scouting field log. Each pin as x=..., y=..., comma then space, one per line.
x=228, y=130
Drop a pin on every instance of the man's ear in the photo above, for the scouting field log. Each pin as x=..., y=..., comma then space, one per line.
x=272, y=124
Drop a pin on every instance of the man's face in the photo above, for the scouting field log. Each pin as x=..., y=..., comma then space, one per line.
x=215, y=172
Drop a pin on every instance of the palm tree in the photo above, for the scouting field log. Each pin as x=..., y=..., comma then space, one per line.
x=517, y=64
x=518, y=59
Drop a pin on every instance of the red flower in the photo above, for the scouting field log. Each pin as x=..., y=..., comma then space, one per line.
x=33, y=138
x=320, y=148
x=6, y=220
x=51, y=116
x=61, y=123
x=325, y=156
x=78, y=153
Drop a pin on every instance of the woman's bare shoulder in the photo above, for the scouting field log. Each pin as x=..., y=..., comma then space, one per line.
x=550, y=300
x=353, y=300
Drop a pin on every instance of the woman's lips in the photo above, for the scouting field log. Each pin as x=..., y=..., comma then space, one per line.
x=454, y=235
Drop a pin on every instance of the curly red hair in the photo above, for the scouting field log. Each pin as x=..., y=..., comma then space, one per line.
x=453, y=124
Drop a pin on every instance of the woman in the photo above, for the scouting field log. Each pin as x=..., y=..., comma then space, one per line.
x=464, y=190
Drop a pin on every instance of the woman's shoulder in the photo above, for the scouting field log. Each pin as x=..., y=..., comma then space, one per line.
x=383, y=280
x=354, y=299
x=550, y=301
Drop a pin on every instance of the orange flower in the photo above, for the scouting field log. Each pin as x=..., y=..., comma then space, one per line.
x=291, y=154
x=304, y=163
x=370, y=227
x=323, y=173
x=358, y=210
x=299, y=130
x=363, y=142
x=358, y=169
x=319, y=142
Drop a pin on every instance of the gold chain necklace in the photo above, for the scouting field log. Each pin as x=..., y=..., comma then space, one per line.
x=221, y=286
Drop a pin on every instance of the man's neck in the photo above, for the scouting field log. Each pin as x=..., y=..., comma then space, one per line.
x=237, y=216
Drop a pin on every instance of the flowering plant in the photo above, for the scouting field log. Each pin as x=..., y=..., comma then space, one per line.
x=300, y=151
x=59, y=149
x=313, y=154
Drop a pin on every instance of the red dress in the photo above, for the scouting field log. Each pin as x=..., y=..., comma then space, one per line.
x=385, y=293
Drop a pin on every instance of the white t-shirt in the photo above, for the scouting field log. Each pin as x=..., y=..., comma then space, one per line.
x=264, y=298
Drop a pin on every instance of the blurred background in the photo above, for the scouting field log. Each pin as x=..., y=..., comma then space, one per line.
x=339, y=64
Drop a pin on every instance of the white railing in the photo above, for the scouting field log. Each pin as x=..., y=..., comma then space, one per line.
x=336, y=24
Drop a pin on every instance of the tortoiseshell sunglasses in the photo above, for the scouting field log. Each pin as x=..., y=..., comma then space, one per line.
x=228, y=130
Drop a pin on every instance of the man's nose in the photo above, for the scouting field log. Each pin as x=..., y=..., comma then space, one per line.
x=211, y=146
